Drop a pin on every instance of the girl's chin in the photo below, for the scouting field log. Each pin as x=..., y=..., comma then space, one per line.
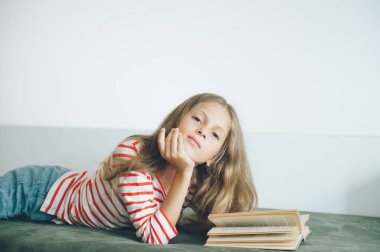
x=191, y=152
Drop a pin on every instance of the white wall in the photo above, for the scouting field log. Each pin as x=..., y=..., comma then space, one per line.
x=302, y=73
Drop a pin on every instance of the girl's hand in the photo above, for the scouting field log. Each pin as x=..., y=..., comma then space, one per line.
x=173, y=150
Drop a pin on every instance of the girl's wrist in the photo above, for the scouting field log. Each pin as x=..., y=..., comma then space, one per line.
x=185, y=172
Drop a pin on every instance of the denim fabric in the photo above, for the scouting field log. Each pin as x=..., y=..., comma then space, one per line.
x=23, y=191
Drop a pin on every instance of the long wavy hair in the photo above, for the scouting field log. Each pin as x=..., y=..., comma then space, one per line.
x=225, y=186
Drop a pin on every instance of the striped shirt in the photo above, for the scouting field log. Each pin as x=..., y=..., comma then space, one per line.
x=81, y=198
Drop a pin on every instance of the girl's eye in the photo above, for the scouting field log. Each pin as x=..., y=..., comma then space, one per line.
x=196, y=119
x=216, y=135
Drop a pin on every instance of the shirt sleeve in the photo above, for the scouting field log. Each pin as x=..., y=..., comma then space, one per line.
x=151, y=223
x=126, y=149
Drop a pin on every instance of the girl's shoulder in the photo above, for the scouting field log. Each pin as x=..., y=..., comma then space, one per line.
x=141, y=174
x=132, y=142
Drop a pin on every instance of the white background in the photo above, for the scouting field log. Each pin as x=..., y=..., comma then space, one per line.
x=302, y=75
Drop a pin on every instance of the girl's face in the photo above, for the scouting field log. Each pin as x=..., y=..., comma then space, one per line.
x=204, y=130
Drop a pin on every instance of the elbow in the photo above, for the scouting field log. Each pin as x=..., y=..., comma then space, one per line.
x=156, y=231
x=154, y=241
x=150, y=238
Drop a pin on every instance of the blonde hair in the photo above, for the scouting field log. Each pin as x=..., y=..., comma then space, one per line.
x=225, y=186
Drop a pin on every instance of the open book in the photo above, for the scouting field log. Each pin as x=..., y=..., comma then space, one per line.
x=265, y=229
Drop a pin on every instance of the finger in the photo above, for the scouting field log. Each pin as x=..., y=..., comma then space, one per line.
x=167, y=143
x=161, y=141
x=173, y=144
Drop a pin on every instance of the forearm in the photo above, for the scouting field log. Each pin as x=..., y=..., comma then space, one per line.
x=172, y=205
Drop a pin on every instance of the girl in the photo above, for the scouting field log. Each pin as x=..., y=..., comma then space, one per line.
x=196, y=158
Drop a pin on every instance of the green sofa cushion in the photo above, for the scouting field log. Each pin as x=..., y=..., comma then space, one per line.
x=330, y=232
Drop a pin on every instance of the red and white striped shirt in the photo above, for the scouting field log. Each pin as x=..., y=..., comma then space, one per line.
x=80, y=198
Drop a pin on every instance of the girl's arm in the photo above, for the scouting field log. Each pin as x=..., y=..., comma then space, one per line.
x=172, y=205
x=172, y=150
x=145, y=213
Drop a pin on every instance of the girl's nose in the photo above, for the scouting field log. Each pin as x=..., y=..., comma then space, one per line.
x=200, y=133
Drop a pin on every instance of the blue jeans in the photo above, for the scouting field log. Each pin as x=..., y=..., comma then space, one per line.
x=23, y=191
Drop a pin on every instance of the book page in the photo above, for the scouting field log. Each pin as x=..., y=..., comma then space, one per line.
x=304, y=218
x=306, y=232
x=257, y=213
x=253, y=238
x=293, y=245
x=256, y=221
x=250, y=230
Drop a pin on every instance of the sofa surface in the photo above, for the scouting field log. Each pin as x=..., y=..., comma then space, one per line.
x=330, y=232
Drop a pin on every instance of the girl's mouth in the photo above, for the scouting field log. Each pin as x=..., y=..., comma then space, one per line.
x=194, y=142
